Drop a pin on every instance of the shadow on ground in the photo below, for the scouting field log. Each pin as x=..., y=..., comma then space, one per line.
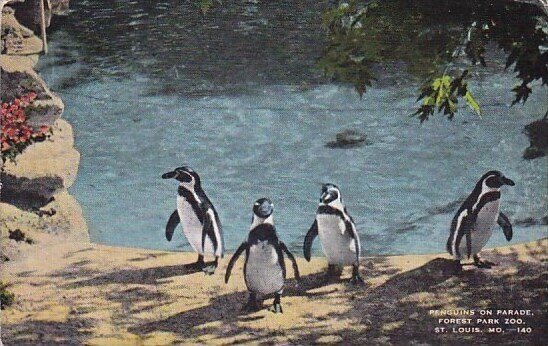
x=396, y=311
x=392, y=308
x=143, y=276
x=72, y=332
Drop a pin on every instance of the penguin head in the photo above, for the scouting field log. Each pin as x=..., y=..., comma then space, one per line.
x=185, y=175
x=330, y=194
x=494, y=180
x=263, y=208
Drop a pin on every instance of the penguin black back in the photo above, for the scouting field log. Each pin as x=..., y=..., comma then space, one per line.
x=476, y=217
x=200, y=220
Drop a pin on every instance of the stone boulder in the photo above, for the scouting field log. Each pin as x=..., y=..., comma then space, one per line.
x=54, y=157
x=537, y=131
x=17, y=38
x=348, y=139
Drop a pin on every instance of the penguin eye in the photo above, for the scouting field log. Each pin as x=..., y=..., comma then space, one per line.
x=493, y=182
x=187, y=178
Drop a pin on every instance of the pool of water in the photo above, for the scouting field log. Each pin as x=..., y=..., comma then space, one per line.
x=262, y=132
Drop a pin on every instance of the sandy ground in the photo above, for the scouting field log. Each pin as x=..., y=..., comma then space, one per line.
x=76, y=293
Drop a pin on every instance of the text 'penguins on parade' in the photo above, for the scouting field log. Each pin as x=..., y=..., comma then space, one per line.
x=197, y=215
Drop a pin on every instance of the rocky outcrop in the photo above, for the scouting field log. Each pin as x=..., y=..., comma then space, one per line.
x=28, y=11
x=54, y=157
x=537, y=131
x=16, y=38
x=18, y=78
x=34, y=199
x=348, y=139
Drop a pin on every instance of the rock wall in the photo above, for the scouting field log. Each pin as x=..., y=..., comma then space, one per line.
x=34, y=197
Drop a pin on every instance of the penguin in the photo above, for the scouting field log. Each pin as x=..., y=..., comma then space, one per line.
x=264, y=268
x=337, y=231
x=196, y=213
x=473, y=223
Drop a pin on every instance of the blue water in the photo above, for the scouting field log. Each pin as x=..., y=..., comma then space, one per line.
x=269, y=140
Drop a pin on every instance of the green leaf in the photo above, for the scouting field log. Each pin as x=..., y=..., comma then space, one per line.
x=441, y=95
x=205, y=5
x=472, y=102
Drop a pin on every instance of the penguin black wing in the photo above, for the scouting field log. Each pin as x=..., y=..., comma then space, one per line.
x=464, y=229
x=351, y=231
x=207, y=226
x=292, y=259
x=234, y=258
x=454, y=226
x=506, y=226
x=280, y=254
x=309, y=239
x=172, y=223
x=469, y=221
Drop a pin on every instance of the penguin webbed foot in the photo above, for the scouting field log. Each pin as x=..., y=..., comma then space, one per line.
x=356, y=279
x=210, y=269
x=277, y=306
x=478, y=262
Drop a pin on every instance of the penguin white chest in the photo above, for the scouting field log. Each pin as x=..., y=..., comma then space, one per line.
x=338, y=246
x=263, y=273
x=192, y=227
x=487, y=217
x=483, y=228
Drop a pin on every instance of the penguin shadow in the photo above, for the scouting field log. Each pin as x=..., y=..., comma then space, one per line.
x=421, y=279
x=399, y=311
x=379, y=305
x=139, y=276
x=229, y=309
x=395, y=311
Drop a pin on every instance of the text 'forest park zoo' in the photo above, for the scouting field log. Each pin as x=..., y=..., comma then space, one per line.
x=469, y=320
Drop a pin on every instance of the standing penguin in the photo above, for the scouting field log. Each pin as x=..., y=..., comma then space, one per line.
x=338, y=236
x=476, y=218
x=198, y=217
x=264, y=268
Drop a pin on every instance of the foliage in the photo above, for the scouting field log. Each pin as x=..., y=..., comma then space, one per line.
x=17, y=134
x=524, y=38
x=344, y=59
x=443, y=93
x=205, y=5
x=6, y=297
x=428, y=36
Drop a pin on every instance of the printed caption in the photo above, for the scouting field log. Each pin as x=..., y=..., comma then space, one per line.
x=475, y=321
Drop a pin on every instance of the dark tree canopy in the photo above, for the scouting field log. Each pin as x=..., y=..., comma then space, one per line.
x=429, y=36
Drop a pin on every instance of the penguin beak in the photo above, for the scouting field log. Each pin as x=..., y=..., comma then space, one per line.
x=169, y=175
x=323, y=196
x=327, y=197
x=507, y=181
